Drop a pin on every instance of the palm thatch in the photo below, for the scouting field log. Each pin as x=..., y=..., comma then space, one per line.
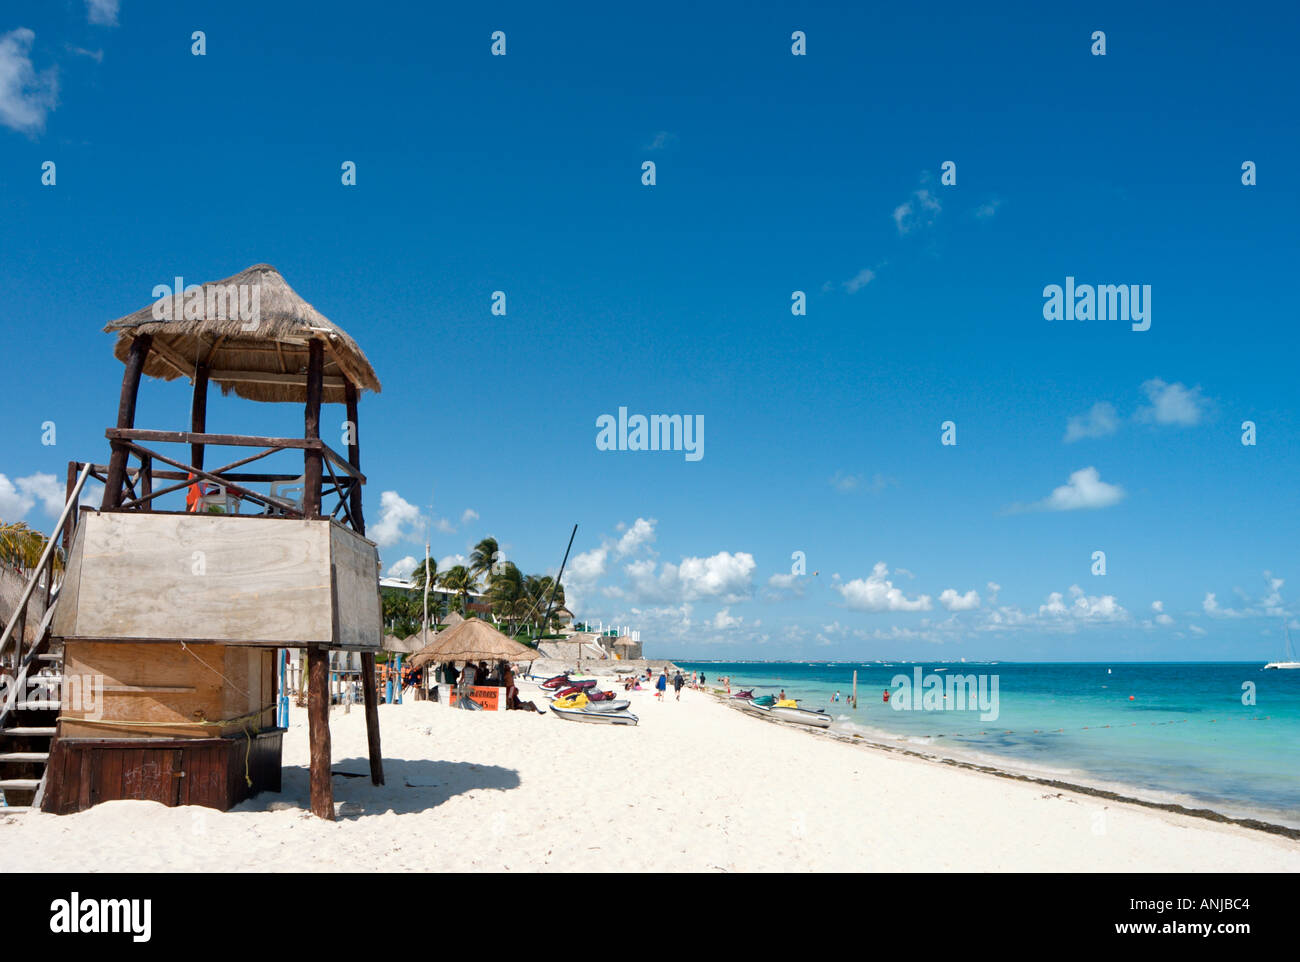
x=405, y=646
x=473, y=640
x=265, y=363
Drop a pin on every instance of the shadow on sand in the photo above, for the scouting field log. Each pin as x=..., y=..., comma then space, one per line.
x=410, y=785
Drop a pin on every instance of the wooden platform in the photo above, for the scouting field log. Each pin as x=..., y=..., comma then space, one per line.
x=193, y=771
x=232, y=579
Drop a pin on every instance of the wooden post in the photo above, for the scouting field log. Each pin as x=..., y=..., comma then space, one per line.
x=372, y=716
x=318, y=720
x=855, y=689
x=199, y=413
x=73, y=470
x=125, y=419
x=312, y=458
x=354, y=457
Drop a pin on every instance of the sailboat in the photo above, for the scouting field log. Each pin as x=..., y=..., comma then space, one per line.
x=1290, y=654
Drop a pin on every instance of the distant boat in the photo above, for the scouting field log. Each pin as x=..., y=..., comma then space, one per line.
x=1290, y=654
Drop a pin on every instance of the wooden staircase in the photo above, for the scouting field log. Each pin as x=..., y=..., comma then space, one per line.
x=29, y=703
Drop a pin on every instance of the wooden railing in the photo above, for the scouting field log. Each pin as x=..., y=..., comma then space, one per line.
x=139, y=492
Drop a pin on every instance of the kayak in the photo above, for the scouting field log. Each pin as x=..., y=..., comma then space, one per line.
x=596, y=717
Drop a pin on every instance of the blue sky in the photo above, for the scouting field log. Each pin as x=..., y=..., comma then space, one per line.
x=774, y=173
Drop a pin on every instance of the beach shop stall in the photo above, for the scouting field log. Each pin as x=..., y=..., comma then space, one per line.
x=185, y=585
x=470, y=642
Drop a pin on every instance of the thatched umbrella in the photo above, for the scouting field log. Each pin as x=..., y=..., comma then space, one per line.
x=264, y=359
x=404, y=646
x=473, y=640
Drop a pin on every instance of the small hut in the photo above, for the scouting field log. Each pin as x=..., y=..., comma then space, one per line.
x=474, y=640
x=180, y=612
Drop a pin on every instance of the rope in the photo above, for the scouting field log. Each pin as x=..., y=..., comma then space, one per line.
x=186, y=649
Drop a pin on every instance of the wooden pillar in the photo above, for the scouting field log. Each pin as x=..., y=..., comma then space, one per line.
x=354, y=457
x=372, y=716
x=318, y=720
x=125, y=418
x=199, y=413
x=312, y=458
x=73, y=470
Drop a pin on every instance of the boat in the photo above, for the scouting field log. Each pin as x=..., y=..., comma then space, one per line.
x=596, y=717
x=1290, y=654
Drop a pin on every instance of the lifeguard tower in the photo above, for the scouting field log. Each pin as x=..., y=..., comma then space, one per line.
x=180, y=590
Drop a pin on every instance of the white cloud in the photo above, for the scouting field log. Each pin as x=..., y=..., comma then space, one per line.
x=1196, y=629
x=877, y=593
x=641, y=533
x=1212, y=608
x=20, y=495
x=26, y=96
x=102, y=12
x=725, y=577
x=588, y=567
x=1100, y=421
x=723, y=620
x=1172, y=404
x=468, y=515
x=1085, y=490
x=994, y=588
x=955, y=602
x=403, y=568
x=852, y=482
x=920, y=211
x=399, y=520
x=661, y=140
x=988, y=209
x=1082, y=607
x=859, y=280
x=451, y=561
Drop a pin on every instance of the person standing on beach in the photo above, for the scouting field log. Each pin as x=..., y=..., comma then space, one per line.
x=678, y=681
x=661, y=686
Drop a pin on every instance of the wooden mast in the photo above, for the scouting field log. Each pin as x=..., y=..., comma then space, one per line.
x=125, y=419
x=369, y=694
x=318, y=691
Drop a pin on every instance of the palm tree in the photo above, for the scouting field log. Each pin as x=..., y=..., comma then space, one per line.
x=21, y=547
x=484, y=556
x=508, y=595
x=539, y=591
x=417, y=576
x=460, y=581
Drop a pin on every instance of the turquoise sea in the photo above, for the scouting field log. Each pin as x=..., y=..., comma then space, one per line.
x=1168, y=732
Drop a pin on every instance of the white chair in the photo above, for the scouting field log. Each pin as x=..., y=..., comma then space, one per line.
x=290, y=492
x=220, y=497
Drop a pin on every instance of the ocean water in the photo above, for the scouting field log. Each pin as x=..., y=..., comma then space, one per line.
x=1167, y=732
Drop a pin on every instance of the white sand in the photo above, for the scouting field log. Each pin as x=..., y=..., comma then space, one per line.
x=696, y=787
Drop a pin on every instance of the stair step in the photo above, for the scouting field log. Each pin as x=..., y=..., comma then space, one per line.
x=13, y=809
x=11, y=784
x=24, y=756
x=34, y=705
x=49, y=657
x=30, y=730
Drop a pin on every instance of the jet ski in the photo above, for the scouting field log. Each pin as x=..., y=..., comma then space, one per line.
x=744, y=695
x=596, y=717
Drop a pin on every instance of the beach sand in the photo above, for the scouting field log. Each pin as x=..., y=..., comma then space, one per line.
x=695, y=787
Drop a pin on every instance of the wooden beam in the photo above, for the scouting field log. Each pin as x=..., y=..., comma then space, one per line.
x=199, y=413
x=318, y=720
x=267, y=377
x=311, y=432
x=188, y=437
x=126, y=417
x=354, y=456
x=371, y=698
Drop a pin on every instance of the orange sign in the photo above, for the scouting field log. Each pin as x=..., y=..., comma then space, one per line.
x=489, y=698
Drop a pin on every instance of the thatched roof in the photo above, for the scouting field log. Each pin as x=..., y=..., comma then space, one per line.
x=404, y=645
x=473, y=640
x=625, y=642
x=268, y=363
